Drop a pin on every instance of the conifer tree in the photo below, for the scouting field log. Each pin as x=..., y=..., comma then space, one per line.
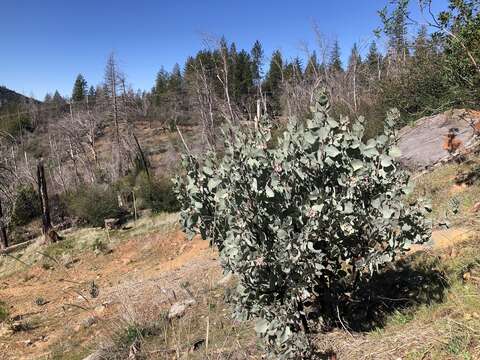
x=373, y=61
x=79, y=89
x=312, y=68
x=355, y=59
x=335, y=63
x=395, y=28
x=161, y=86
x=293, y=70
x=175, y=80
x=257, y=61
x=92, y=93
x=242, y=76
x=57, y=98
x=273, y=81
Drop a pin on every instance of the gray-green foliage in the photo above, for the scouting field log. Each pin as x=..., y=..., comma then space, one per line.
x=300, y=221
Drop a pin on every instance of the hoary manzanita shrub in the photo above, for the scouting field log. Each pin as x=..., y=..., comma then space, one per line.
x=300, y=220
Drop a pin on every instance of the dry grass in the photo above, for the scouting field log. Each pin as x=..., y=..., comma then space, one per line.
x=205, y=332
x=81, y=240
x=440, y=188
x=448, y=329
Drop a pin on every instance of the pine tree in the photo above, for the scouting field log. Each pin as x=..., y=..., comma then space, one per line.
x=373, y=60
x=79, y=89
x=273, y=81
x=421, y=44
x=175, y=80
x=335, y=63
x=395, y=28
x=57, y=98
x=161, y=86
x=48, y=98
x=355, y=59
x=242, y=76
x=312, y=68
x=92, y=93
x=293, y=70
x=257, y=61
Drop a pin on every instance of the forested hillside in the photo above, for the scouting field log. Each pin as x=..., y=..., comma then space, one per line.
x=8, y=96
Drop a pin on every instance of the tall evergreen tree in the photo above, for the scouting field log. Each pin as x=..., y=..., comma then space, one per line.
x=92, y=93
x=257, y=61
x=355, y=59
x=175, y=80
x=273, y=81
x=312, y=68
x=57, y=98
x=335, y=62
x=395, y=28
x=161, y=86
x=242, y=76
x=293, y=70
x=79, y=89
x=372, y=61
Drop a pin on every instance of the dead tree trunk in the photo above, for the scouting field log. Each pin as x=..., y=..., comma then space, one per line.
x=3, y=230
x=49, y=233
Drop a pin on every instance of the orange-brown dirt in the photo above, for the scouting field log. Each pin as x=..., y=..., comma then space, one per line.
x=152, y=266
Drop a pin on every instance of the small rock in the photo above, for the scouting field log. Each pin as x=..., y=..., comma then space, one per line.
x=28, y=342
x=89, y=321
x=178, y=309
x=476, y=207
x=111, y=224
x=100, y=309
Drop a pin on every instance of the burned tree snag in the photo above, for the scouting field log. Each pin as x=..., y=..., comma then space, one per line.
x=3, y=230
x=49, y=233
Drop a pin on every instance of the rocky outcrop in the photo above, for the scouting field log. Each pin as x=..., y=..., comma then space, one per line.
x=422, y=144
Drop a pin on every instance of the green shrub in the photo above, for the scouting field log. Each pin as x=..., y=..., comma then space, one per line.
x=16, y=124
x=156, y=194
x=94, y=204
x=300, y=222
x=26, y=206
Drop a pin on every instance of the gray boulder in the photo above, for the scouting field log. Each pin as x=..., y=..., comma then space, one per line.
x=422, y=143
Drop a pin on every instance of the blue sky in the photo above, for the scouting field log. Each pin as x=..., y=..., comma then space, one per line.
x=45, y=44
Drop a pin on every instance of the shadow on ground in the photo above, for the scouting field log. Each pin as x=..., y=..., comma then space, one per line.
x=405, y=285
x=367, y=304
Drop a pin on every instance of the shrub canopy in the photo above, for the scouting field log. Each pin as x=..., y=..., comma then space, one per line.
x=94, y=204
x=300, y=221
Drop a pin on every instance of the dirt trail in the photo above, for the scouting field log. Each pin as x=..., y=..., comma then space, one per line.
x=442, y=239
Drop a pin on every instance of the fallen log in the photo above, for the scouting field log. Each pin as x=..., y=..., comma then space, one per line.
x=17, y=247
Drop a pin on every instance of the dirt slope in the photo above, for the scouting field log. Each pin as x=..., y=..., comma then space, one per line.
x=139, y=269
